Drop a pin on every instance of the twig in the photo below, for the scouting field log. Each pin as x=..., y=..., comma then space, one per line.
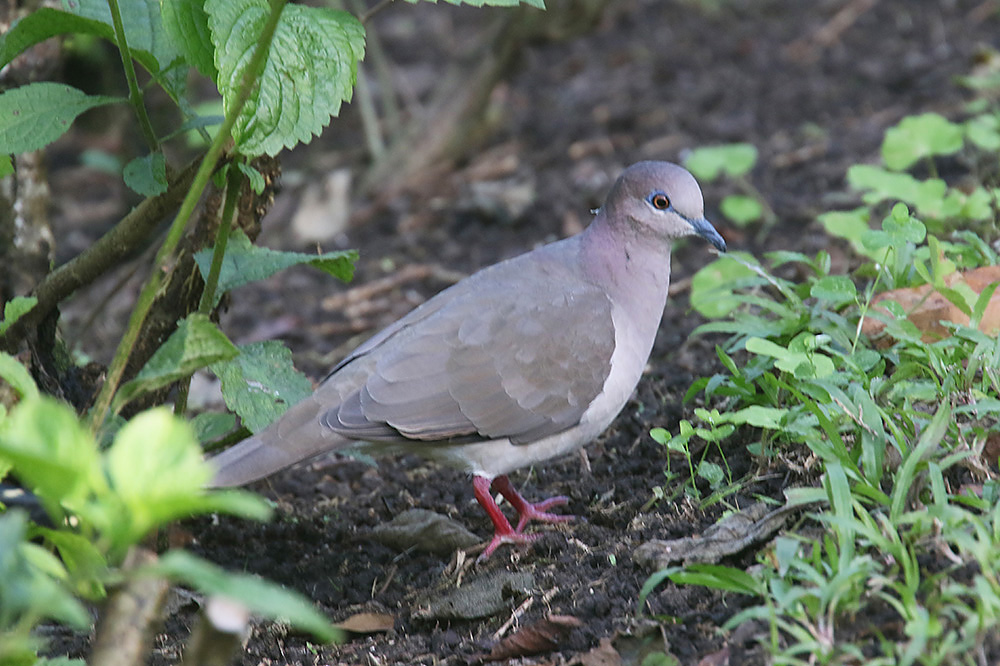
x=130, y=616
x=221, y=626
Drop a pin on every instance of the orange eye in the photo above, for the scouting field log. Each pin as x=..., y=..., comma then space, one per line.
x=659, y=201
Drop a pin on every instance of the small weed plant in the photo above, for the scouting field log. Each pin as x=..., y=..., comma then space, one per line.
x=897, y=559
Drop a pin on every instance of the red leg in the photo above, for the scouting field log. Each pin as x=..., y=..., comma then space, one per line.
x=502, y=531
x=527, y=511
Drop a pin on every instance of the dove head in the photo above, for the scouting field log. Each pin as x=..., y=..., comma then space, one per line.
x=661, y=199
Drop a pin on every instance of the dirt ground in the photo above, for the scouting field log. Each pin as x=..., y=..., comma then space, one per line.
x=812, y=84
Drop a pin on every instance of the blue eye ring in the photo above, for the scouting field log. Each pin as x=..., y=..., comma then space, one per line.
x=659, y=200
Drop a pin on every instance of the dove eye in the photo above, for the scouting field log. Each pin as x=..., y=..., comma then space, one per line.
x=659, y=201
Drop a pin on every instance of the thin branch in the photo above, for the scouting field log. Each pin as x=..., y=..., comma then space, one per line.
x=165, y=256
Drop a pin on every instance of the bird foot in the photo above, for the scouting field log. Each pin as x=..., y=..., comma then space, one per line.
x=526, y=511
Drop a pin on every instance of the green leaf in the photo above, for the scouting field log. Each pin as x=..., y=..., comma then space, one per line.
x=143, y=27
x=260, y=596
x=711, y=472
x=255, y=177
x=35, y=115
x=890, y=186
x=984, y=131
x=6, y=166
x=44, y=23
x=26, y=586
x=14, y=373
x=261, y=383
x=758, y=416
x=540, y=4
x=195, y=344
x=85, y=564
x=244, y=262
x=157, y=471
x=311, y=70
x=187, y=24
x=14, y=309
x=209, y=426
x=52, y=453
x=918, y=137
x=835, y=288
x=719, y=577
x=741, y=210
x=147, y=175
x=712, y=287
x=851, y=225
x=734, y=160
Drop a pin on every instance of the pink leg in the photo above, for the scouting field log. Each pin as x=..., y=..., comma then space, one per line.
x=502, y=531
x=527, y=511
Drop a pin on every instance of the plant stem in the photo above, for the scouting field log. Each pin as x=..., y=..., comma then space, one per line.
x=134, y=94
x=164, y=257
x=233, y=183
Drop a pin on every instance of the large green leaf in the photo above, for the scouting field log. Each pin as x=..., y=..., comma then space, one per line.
x=157, y=471
x=141, y=20
x=311, y=70
x=35, y=115
x=540, y=4
x=245, y=262
x=196, y=343
x=46, y=22
x=187, y=23
x=259, y=596
x=261, y=383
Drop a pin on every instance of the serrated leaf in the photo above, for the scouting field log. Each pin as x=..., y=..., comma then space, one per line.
x=245, y=262
x=918, y=137
x=147, y=175
x=195, y=344
x=261, y=383
x=35, y=115
x=260, y=596
x=255, y=177
x=709, y=162
x=187, y=23
x=311, y=70
x=143, y=27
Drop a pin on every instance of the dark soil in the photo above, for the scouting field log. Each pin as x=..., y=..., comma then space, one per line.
x=653, y=79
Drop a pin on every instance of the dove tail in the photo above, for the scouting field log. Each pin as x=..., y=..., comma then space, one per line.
x=296, y=436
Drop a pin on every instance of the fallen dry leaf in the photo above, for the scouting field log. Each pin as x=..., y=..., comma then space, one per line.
x=543, y=636
x=367, y=623
x=927, y=308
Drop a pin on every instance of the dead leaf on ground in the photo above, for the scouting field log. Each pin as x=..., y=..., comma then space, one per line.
x=545, y=635
x=367, y=623
x=481, y=597
x=424, y=530
x=927, y=308
x=727, y=537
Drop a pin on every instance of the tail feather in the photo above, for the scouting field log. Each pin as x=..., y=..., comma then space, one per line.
x=296, y=436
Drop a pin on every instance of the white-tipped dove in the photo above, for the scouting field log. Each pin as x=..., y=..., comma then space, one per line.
x=523, y=361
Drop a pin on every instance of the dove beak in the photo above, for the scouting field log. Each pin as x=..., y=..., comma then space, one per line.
x=704, y=228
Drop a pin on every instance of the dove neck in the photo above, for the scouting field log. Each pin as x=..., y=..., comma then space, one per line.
x=633, y=267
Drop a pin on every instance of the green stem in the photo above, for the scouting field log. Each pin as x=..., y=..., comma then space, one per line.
x=134, y=94
x=164, y=258
x=221, y=240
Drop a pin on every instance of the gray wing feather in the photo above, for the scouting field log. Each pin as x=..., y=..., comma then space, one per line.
x=490, y=360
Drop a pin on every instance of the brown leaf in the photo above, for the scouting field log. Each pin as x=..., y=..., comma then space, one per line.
x=927, y=308
x=367, y=623
x=543, y=636
x=604, y=654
